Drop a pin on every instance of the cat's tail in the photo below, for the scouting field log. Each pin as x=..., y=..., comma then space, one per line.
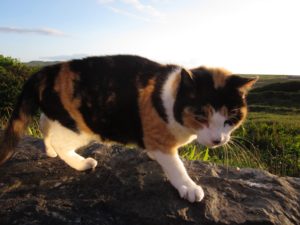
x=26, y=107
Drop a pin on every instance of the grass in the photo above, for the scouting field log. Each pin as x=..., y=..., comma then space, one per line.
x=32, y=129
x=235, y=154
x=278, y=138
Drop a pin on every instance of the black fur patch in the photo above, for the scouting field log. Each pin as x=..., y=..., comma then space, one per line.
x=201, y=92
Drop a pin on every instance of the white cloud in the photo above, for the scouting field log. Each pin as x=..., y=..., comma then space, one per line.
x=134, y=9
x=41, y=31
x=144, y=8
x=129, y=14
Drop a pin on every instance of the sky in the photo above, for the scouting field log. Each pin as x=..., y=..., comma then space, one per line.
x=244, y=36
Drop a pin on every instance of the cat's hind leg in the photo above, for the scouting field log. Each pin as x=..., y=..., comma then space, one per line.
x=76, y=161
x=45, y=125
x=65, y=142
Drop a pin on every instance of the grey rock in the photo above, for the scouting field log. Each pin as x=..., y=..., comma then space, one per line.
x=127, y=188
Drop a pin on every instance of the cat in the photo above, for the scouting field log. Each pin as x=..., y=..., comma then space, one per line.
x=130, y=99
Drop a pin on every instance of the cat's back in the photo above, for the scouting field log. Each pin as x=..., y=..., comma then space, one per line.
x=102, y=94
x=116, y=65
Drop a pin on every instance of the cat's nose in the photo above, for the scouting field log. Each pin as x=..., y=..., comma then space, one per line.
x=216, y=141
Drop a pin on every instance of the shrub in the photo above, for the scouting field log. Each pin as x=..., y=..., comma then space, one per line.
x=13, y=74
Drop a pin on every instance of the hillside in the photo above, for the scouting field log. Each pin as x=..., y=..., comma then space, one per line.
x=40, y=63
x=271, y=79
x=276, y=97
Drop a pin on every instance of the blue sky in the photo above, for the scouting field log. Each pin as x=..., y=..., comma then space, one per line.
x=245, y=36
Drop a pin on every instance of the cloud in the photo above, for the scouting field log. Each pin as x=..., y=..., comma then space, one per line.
x=40, y=31
x=134, y=9
x=144, y=8
x=129, y=14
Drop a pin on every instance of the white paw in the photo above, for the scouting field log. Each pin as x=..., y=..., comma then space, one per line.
x=89, y=163
x=51, y=153
x=49, y=150
x=191, y=192
x=151, y=155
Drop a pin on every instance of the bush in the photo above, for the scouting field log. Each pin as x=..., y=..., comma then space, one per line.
x=12, y=77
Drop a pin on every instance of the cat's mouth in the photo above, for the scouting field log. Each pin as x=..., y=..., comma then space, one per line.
x=215, y=146
x=214, y=143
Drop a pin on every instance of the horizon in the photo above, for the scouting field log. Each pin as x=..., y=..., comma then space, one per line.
x=246, y=37
x=250, y=74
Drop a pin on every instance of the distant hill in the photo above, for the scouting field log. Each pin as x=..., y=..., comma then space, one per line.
x=271, y=79
x=276, y=96
x=288, y=86
x=40, y=63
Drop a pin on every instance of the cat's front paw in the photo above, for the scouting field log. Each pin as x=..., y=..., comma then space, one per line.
x=191, y=192
x=89, y=163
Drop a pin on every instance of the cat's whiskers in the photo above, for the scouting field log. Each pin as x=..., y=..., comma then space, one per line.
x=236, y=109
x=247, y=140
x=226, y=151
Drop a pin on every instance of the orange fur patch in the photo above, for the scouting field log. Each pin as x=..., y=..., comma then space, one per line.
x=64, y=87
x=224, y=111
x=244, y=112
x=156, y=133
x=208, y=111
x=19, y=124
x=190, y=121
x=219, y=76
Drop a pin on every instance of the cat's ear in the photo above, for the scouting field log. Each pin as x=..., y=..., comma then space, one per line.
x=187, y=79
x=187, y=84
x=243, y=84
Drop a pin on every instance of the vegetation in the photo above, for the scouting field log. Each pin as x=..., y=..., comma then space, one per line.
x=40, y=63
x=269, y=139
x=13, y=74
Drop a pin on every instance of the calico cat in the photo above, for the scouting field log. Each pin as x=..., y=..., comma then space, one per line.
x=130, y=99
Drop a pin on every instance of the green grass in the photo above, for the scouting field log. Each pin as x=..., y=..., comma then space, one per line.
x=234, y=154
x=278, y=139
x=32, y=129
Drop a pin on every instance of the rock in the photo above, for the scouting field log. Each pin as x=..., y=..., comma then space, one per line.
x=127, y=188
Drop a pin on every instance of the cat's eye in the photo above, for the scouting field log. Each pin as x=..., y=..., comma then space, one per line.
x=228, y=122
x=201, y=118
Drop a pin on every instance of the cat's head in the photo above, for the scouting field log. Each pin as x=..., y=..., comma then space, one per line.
x=211, y=102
